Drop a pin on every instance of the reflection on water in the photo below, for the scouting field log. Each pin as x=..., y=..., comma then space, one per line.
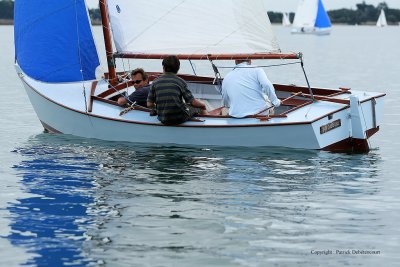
x=51, y=222
x=135, y=205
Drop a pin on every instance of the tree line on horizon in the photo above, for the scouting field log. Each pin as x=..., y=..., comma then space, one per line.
x=363, y=14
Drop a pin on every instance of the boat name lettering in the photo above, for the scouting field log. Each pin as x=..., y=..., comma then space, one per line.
x=330, y=126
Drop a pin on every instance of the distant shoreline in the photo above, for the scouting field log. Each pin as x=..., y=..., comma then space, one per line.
x=6, y=22
x=98, y=22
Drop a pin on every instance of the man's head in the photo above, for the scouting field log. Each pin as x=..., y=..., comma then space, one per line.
x=171, y=64
x=139, y=78
x=238, y=61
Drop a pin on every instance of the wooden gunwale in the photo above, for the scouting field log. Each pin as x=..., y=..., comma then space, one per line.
x=372, y=97
x=209, y=80
x=328, y=99
x=298, y=107
x=159, y=124
x=343, y=91
x=316, y=91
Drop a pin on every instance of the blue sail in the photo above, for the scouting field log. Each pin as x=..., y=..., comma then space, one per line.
x=322, y=20
x=54, y=41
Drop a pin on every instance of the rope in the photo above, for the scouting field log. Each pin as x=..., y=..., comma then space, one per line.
x=80, y=57
x=126, y=110
x=218, y=77
x=193, y=68
x=308, y=83
x=123, y=95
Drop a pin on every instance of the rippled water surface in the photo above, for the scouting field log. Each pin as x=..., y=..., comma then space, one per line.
x=78, y=202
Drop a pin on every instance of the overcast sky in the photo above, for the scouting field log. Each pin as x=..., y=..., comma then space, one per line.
x=291, y=5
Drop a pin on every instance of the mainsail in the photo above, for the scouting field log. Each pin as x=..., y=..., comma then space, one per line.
x=306, y=14
x=54, y=41
x=191, y=27
x=310, y=15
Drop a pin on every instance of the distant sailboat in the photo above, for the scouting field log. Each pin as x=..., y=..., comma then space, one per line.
x=285, y=19
x=382, y=19
x=311, y=17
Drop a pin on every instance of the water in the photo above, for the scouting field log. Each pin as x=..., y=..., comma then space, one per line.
x=79, y=202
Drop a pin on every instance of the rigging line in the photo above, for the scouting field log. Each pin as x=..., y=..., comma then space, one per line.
x=308, y=111
x=116, y=90
x=191, y=64
x=218, y=78
x=120, y=78
x=80, y=57
x=308, y=83
x=265, y=66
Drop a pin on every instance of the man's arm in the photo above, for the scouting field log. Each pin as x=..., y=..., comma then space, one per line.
x=150, y=104
x=268, y=87
x=225, y=97
x=122, y=101
x=151, y=98
x=198, y=104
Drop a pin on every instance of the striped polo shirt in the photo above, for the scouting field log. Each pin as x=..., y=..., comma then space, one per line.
x=168, y=92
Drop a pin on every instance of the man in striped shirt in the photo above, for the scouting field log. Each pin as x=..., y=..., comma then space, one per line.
x=167, y=94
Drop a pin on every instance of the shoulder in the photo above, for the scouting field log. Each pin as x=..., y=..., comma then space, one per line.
x=259, y=71
x=230, y=75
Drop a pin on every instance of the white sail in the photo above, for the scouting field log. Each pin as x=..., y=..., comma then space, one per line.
x=382, y=19
x=306, y=14
x=285, y=19
x=191, y=27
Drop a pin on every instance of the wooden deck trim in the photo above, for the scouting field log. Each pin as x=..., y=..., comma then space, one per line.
x=328, y=99
x=372, y=97
x=92, y=91
x=343, y=91
x=108, y=101
x=297, y=107
x=182, y=125
x=316, y=91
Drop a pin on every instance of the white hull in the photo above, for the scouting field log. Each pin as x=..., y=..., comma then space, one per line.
x=313, y=30
x=301, y=128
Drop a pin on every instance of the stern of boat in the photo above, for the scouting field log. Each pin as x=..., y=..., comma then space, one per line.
x=365, y=116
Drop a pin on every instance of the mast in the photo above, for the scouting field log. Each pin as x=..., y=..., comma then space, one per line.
x=107, y=39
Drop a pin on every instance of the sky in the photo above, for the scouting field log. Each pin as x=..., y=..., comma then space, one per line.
x=291, y=5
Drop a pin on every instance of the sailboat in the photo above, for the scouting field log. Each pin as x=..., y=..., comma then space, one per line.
x=285, y=19
x=312, y=18
x=382, y=19
x=56, y=60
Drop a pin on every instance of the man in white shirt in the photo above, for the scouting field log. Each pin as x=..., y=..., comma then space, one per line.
x=246, y=90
